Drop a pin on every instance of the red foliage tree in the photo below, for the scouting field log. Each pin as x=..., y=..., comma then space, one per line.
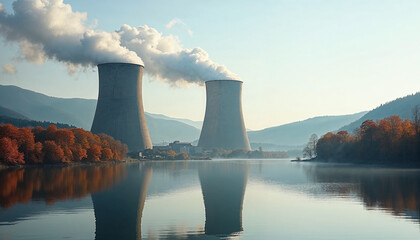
x=94, y=153
x=50, y=132
x=39, y=134
x=78, y=152
x=387, y=140
x=10, y=131
x=26, y=142
x=37, y=155
x=9, y=152
x=53, y=152
x=64, y=137
x=107, y=154
x=54, y=145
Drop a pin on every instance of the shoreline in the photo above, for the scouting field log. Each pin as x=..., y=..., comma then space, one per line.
x=70, y=164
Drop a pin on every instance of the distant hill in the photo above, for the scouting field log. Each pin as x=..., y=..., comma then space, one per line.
x=298, y=133
x=31, y=123
x=196, y=124
x=165, y=130
x=10, y=113
x=39, y=107
x=21, y=103
x=400, y=106
x=274, y=147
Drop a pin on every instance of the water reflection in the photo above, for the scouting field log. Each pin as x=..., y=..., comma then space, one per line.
x=118, y=210
x=121, y=193
x=223, y=187
x=52, y=184
x=394, y=190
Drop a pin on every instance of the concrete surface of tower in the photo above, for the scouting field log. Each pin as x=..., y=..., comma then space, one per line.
x=119, y=111
x=224, y=125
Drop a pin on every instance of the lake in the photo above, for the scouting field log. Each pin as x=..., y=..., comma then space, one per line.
x=218, y=199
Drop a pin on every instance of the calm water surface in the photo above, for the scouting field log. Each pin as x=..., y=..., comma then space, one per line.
x=235, y=199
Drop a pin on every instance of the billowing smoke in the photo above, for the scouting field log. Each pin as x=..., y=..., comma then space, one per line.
x=50, y=29
x=165, y=59
x=9, y=69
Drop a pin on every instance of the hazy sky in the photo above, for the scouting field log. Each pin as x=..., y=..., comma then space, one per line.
x=297, y=59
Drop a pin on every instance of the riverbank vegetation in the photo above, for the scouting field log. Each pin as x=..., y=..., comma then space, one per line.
x=156, y=154
x=390, y=140
x=242, y=153
x=23, y=146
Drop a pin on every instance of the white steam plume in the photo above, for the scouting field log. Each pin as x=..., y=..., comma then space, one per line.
x=175, y=21
x=166, y=60
x=9, y=68
x=49, y=29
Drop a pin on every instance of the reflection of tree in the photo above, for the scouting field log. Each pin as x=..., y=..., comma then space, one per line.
x=223, y=187
x=118, y=210
x=55, y=183
x=397, y=191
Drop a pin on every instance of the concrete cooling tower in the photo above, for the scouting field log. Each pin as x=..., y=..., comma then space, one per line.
x=119, y=111
x=223, y=125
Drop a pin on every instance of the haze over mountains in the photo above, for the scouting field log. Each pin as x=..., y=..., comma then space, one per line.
x=297, y=133
x=10, y=113
x=163, y=131
x=40, y=107
x=196, y=124
x=401, y=106
x=20, y=103
x=80, y=113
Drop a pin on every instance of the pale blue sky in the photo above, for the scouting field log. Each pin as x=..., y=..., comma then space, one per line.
x=298, y=59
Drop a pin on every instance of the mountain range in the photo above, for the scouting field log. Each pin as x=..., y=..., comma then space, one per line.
x=298, y=133
x=20, y=103
x=35, y=106
x=401, y=106
x=25, y=104
x=196, y=124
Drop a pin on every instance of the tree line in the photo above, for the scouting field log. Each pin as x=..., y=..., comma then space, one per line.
x=242, y=153
x=389, y=140
x=52, y=145
x=156, y=154
x=31, y=123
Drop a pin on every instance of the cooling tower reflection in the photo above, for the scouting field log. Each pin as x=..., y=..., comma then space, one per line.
x=118, y=210
x=223, y=187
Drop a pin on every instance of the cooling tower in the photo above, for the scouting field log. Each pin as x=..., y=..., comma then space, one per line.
x=119, y=111
x=223, y=125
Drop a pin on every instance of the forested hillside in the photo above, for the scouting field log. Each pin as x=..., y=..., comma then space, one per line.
x=401, y=107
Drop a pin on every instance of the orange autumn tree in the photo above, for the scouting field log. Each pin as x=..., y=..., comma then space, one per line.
x=52, y=145
x=9, y=152
x=391, y=140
